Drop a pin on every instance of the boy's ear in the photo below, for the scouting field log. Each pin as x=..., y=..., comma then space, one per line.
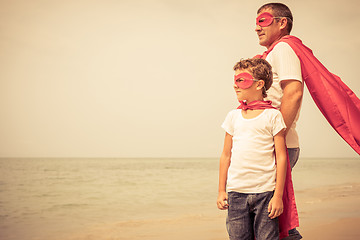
x=260, y=84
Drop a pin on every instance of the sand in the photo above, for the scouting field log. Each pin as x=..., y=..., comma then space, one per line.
x=329, y=213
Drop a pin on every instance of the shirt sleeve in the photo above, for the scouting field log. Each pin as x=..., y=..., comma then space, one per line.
x=228, y=124
x=286, y=62
x=278, y=123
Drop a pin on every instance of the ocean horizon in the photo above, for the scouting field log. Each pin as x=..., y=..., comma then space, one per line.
x=46, y=197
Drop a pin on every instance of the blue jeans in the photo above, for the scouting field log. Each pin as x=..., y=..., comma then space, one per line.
x=293, y=156
x=248, y=217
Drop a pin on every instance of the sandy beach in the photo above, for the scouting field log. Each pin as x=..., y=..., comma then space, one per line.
x=329, y=213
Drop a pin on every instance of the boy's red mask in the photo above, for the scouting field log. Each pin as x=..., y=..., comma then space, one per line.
x=244, y=80
x=265, y=19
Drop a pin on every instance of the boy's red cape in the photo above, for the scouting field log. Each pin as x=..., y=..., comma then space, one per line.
x=289, y=219
x=337, y=102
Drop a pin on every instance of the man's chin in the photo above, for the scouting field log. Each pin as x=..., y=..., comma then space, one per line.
x=262, y=43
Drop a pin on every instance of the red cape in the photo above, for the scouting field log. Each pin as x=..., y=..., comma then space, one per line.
x=336, y=101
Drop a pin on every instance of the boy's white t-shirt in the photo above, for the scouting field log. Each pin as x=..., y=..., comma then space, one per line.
x=285, y=66
x=252, y=168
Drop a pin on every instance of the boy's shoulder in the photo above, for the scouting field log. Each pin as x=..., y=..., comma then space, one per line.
x=232, y=115
x=273, y=112
x=268, y=114
x=234, y=111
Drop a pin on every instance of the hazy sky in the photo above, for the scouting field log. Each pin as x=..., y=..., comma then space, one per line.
x=131, y=78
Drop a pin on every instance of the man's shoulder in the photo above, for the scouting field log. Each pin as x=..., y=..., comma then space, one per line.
x=290, y=44
x=282, y=48
x=282, y=55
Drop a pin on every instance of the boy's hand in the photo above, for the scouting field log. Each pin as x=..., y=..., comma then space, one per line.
x=222, y=203
x=276, y=207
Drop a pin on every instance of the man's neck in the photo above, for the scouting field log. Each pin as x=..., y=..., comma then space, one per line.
x=281, y=36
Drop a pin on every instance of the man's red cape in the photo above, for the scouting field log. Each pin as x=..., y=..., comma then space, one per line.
x=337, y=102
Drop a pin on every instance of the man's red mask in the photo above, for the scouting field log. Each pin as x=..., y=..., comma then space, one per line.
x=265, y=19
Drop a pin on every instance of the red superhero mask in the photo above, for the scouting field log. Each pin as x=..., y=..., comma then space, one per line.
x=244, y=80
x=265, y=19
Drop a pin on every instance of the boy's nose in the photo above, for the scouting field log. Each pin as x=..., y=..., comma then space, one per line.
x=257, y=28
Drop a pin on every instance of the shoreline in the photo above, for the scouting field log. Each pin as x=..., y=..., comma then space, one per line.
x=329, y=213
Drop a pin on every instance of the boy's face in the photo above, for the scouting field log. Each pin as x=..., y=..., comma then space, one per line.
x=246, y=87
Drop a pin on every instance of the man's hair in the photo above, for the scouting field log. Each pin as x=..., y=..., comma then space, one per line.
x=259, y=68
x=280, y=10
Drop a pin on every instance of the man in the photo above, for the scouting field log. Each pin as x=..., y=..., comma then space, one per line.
x=287, y=89
x=292, y=62
x=274, y=21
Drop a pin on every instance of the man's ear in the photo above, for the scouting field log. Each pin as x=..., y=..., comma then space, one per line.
x=283, y=23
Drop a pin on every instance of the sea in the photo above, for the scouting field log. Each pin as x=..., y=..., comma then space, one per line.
x=45, y=197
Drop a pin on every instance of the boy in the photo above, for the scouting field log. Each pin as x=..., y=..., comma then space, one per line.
x=248, y=171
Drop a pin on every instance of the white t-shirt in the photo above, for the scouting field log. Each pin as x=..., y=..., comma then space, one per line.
x=285, y=66
x=252, y=168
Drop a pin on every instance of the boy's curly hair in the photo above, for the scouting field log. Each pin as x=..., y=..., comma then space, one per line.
x=259, y=69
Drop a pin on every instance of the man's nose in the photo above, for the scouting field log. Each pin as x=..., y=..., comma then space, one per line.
x=257, y=28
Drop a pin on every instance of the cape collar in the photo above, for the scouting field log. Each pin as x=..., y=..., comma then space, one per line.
x=286, y=37
x=254, y=105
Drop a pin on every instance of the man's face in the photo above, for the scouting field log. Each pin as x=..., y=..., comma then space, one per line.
x=268, y=34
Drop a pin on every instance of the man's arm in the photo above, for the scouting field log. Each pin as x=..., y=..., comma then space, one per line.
x=291, y=101
x=223, y=169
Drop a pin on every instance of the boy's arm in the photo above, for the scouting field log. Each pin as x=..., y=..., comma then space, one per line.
x=223, y=170
x=276, y=204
